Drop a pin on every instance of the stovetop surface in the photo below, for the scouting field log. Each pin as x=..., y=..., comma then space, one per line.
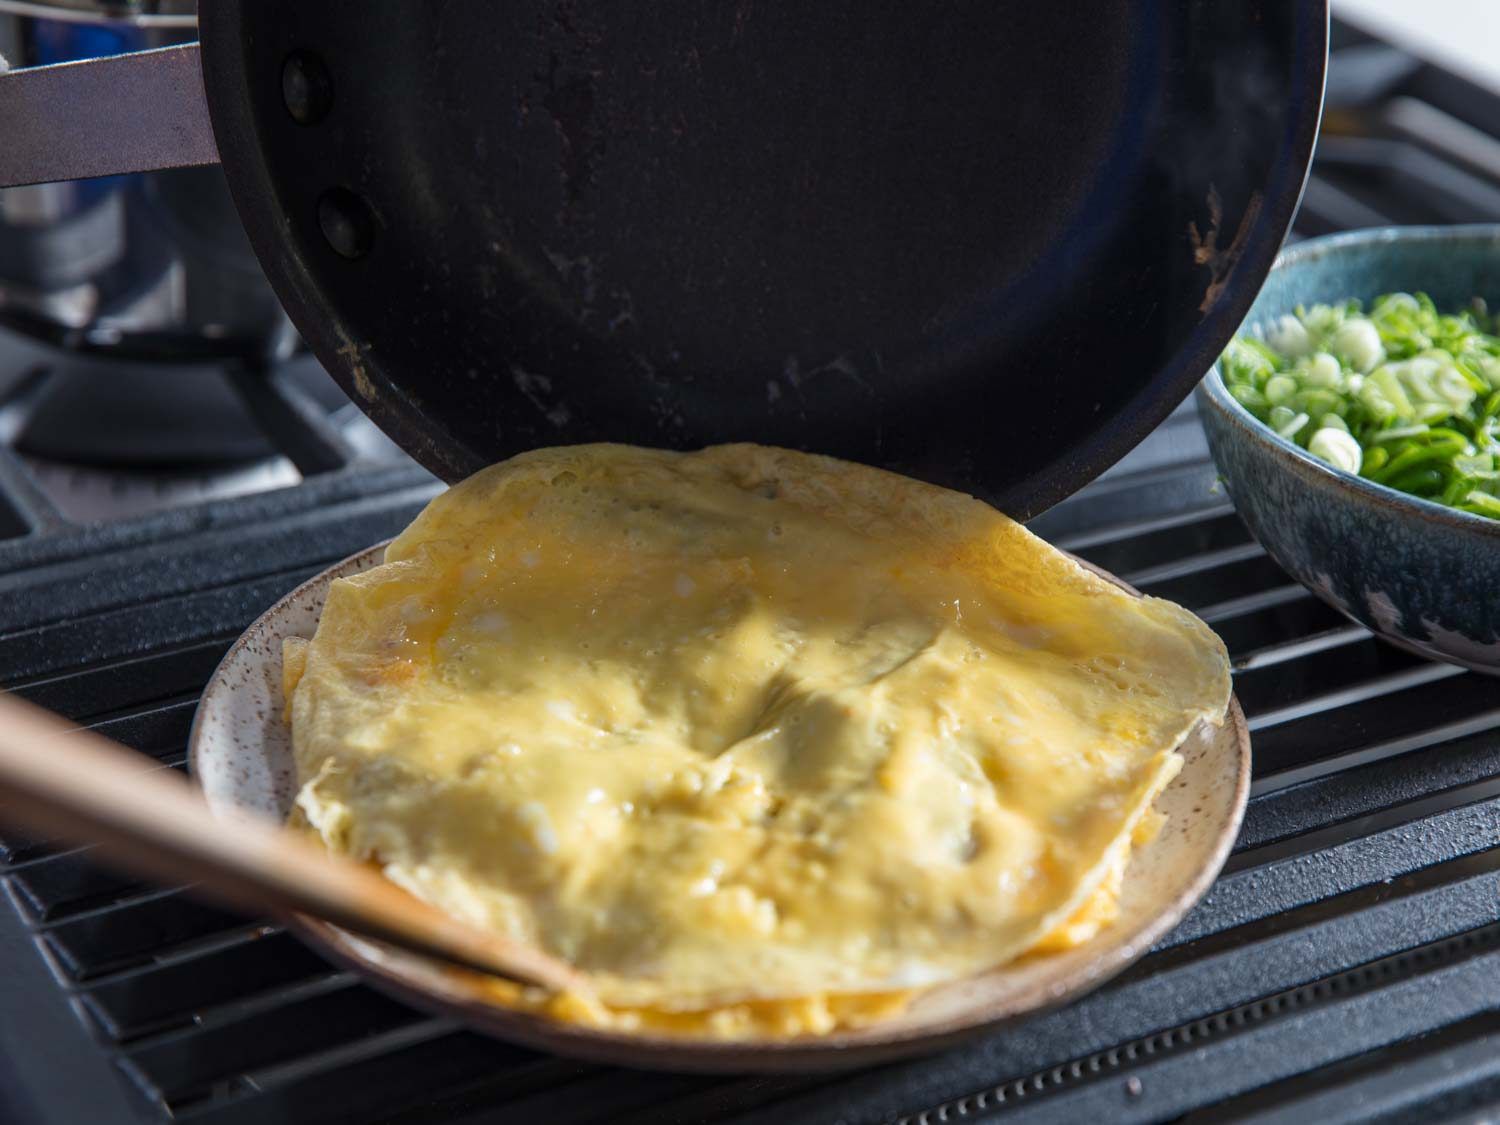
x=1346, y=966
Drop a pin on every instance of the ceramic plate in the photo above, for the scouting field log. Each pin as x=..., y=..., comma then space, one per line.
x=240, y=752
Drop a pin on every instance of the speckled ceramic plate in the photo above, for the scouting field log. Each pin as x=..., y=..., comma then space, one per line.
x=240, y=753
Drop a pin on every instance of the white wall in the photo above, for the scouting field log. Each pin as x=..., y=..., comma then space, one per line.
x=1462, y=35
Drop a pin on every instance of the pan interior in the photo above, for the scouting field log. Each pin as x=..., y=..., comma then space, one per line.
x=989, y=245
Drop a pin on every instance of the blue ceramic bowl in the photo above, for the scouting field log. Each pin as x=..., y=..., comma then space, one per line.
x=1422, y=576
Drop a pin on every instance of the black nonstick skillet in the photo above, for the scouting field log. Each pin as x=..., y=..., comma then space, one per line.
x=986, y=242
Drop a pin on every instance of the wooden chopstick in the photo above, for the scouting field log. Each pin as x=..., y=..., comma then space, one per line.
x=81, y=786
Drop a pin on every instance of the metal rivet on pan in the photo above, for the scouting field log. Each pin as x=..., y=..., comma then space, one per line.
x=306, y=88
x=346, y=222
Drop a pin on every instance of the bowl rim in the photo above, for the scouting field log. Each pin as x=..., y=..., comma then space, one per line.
x=1217, y=393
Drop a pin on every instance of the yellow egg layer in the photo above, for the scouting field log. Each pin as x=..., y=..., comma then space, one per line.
x=759, y=741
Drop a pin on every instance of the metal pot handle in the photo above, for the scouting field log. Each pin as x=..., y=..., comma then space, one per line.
x=106, y=116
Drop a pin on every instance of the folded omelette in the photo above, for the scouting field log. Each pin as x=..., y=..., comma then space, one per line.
x=743, y=729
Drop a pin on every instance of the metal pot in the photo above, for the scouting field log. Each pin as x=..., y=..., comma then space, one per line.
x=150, y=265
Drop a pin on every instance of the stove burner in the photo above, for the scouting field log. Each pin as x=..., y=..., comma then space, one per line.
x=102, y=439
x=87, y=494
x=129, y=417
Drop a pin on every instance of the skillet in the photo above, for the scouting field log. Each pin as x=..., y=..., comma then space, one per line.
x=986, y=244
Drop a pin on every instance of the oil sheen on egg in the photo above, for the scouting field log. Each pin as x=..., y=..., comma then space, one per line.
x=743, y=730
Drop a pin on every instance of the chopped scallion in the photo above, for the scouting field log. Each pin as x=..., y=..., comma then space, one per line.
x=1401, y=394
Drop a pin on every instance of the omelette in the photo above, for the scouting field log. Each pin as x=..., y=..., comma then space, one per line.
x=761, y=742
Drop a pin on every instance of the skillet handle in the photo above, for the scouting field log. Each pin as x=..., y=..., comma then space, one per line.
x=106, y=116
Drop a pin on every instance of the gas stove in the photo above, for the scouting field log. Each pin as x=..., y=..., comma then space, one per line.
x=1346, y=966
x=101, y=440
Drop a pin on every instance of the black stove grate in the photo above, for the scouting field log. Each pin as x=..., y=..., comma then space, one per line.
x=1359, y=917
x=1345, y=966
